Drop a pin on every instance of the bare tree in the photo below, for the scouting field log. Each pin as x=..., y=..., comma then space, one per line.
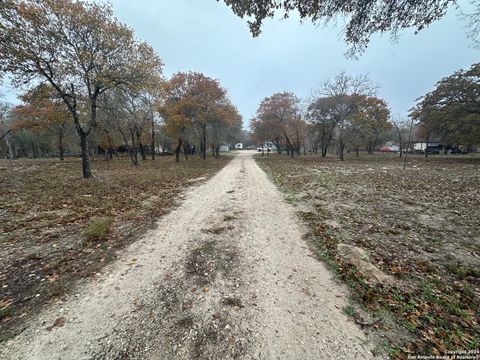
x=344, y=92
x=473, y=23
x=401, y=127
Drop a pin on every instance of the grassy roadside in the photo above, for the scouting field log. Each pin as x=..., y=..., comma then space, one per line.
x=57, y=228
x=421, y=226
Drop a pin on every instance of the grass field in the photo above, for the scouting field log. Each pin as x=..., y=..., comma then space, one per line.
x=420, y=225
x=56, y=227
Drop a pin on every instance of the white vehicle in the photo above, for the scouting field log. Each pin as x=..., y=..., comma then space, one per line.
x=265, y=149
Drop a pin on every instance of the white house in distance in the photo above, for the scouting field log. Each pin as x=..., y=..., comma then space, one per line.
x=270, y=145
x=224, y=148
x=423, y=145
x=238, y=146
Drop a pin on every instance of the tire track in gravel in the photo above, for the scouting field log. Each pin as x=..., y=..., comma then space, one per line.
x=226, y=275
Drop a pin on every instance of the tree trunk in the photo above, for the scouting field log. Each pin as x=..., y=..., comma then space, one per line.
x=185, y=150
x=135, y=153
x=177, y=150
x=110, y=145
x=153, y=139
x=373, y=145
x=133, y=150
x=326, y=140
x=85, y=158
x=61, y=151
x=400, y=145
x=409, y=143
x=324, y=150
x=278, y=145
x=204, y=139
x=110, y=148
x=34, y=150
x=298, y=143
x=356, y=151
x=426, y=148
x=142, y=151
x=60, y=145
x=341, y=150
x=289, y=145
x=10, y=153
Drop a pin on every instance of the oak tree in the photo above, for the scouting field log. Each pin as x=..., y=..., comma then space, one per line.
x=280, y=114
x=451, y=112
x=191, y=104
x=370, y=120
x=364, y=18
x=79, y=48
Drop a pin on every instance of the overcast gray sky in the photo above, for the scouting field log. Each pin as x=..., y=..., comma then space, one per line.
x=206, y=36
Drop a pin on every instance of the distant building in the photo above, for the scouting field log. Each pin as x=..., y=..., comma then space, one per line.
x=421, y=146
x=238, y=146
x=270, y=145
x=224, y=148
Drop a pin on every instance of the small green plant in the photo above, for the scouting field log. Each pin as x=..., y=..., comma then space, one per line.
x=6, y=311
x=350, y=311
x=98, y=229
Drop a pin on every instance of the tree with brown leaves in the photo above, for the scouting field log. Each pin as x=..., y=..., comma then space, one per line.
x=280, y=118
x=191, y=105
x=79, y=48
x=41, y=111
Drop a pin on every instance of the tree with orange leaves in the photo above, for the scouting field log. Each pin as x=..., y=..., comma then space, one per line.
x=77, y=47
x=281, y=119
x=192, y=102
x=43, y=111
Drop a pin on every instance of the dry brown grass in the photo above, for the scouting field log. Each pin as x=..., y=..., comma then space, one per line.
x=421, y=225
x=56, y=227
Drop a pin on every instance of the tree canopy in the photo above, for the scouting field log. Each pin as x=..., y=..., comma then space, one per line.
x=364, y=18
x=451, y=112
x=279, y=119
x=196, y=106
x=344, y=111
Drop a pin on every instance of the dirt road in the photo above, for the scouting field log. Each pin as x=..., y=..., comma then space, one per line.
x=224, y=275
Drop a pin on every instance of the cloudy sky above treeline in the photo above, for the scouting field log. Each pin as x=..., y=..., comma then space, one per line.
x=206, y=36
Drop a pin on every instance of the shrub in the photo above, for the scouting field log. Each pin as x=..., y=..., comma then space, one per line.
x=98, y=229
